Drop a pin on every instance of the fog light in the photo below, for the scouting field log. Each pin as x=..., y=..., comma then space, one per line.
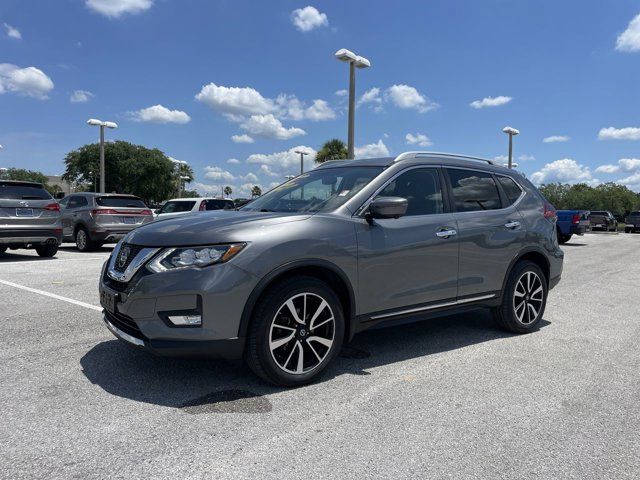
x=186, y=320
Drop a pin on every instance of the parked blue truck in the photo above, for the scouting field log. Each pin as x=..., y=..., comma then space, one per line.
x=572, y=222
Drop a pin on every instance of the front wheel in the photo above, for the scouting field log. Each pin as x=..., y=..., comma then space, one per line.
x=47, y=251
x=296, y=332
x=83, y=242
x=523, y=300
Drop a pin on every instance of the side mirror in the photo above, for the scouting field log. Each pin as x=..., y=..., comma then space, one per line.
x=387, y=207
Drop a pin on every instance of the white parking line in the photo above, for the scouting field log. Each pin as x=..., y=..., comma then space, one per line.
x=3, y=262
x=52, y=295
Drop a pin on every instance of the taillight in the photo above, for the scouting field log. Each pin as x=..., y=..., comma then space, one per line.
x=550, y=212
x=146, y=212
x=52, y=207
x=104, y=211
x=575, y=219
x=203, y=206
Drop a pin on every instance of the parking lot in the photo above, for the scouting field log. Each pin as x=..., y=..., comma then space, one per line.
x=453, y=397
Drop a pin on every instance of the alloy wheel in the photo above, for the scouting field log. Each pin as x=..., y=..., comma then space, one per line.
x=302, y=333
x=528, y=298
x=81, y=239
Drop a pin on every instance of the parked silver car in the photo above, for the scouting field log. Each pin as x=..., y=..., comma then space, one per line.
x=29, y=218
x=93, y=219
x=290, y=277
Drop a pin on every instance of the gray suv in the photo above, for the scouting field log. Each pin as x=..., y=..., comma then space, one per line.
x=29, y=218
x=93, y=219
x=286, y=280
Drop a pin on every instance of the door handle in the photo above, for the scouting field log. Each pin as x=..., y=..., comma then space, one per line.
x=446, y=233
x=512, y=225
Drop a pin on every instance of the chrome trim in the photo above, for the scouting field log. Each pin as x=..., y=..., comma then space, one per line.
x=139, y=260
x=122, y=335
x=432, y=307
x=510, y=225
x=446, y=233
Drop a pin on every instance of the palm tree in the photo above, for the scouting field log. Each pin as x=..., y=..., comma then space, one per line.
x=256, y=191
x=228, y=190
x=185, y=170
x=334, y=149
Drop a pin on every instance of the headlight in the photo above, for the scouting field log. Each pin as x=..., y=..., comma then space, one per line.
x=186, y=257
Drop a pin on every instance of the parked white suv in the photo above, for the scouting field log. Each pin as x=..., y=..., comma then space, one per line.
x=184, y=206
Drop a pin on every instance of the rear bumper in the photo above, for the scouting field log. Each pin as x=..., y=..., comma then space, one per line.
x=34, y=236
x=227, y=349
x=579, y=229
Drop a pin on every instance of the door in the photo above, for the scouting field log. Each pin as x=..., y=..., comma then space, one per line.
x=407, y=261
x=491, y=231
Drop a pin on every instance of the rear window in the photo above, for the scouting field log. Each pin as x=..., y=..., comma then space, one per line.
x=599, y=213
x=175, y=207
x=23, y=191
x=133, y=202
x=634, y=214
x=220, y=205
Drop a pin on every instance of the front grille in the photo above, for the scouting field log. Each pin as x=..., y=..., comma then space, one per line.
x=133, y=252
x=124, y=323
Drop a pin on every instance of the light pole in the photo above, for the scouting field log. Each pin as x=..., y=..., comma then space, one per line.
x=511, y=132
x=177, y=163
x=355, y=61
x=99, y=123
x=302, y=154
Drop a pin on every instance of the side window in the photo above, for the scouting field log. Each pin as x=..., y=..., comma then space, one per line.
x=421, y=188
x=63, y=203
x=73, y=202
x=473, y=190
x=82, y=202
x=511, y=188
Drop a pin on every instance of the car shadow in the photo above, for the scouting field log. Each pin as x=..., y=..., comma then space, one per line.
x=209, y=386
x=9, y=256
x=74, y=249
x=574, y=245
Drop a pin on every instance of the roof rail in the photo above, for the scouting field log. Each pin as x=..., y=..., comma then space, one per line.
x=410, y=155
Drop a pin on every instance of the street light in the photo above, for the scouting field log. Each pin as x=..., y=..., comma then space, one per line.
x=355, y=61
x=511, y=132
x=302, y=154
x=99, y=123
x=177, y=164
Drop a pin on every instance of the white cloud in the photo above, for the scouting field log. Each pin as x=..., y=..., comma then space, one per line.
x=501, y=159
x=307, y=18
x=233, y=161
x=371, y=96
x=526, y=158
x=250, y=177
x=556, y=139
x=320, y=110
x=160, y=114
x=418, y=139
x=342, y=93
x=612, y=133
x=12, y=32
x=404, y=96
x=268, y=126
x=490, y=102
x=244, y=138
x=116, y=8
x=372, y=150
x=29, y=81
x=283, y=163
x=624, y=165
x=216, y=173
x=566, y=170
x=629, y=40
x=235, y=100
x=632, y=181
x=80, y=96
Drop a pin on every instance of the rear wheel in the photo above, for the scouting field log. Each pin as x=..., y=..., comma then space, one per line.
x=523, y=300
x=562, y=238
x=296, y=331
x=83, y=242
x=47, y=250
x=627, y=230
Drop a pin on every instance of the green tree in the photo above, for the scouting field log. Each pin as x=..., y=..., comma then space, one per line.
x=228, y=190
x=190, y=194
x=256, y=191
x=334, y=149
x=25, y=175
x=147, y=173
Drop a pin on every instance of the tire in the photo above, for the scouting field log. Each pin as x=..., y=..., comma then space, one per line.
x=627, y=230
x=83, y=241
x=3, y=249
x=47, y=251
x=300, y=359
x=562, y=239
x=527, y=282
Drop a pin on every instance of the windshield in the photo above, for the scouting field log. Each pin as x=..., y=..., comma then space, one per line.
x=320, y=190
x=175, y=207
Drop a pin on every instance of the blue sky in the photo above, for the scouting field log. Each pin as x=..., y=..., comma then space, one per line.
x=186, y=76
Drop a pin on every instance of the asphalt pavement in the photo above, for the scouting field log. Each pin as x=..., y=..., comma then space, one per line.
x=453, y=397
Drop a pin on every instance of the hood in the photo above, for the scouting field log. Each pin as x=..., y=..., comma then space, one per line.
x=204, y=228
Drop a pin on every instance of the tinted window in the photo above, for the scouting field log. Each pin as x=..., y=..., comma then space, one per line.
x=23, y=191
x=473, y=190
x=219, y=205
x=175, y=207
x=112, y=201
x=511, y=188
x=77, y=201
x=421, y=188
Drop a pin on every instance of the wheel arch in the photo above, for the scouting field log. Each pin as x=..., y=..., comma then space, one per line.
x=533, y=255
x=317, y=268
